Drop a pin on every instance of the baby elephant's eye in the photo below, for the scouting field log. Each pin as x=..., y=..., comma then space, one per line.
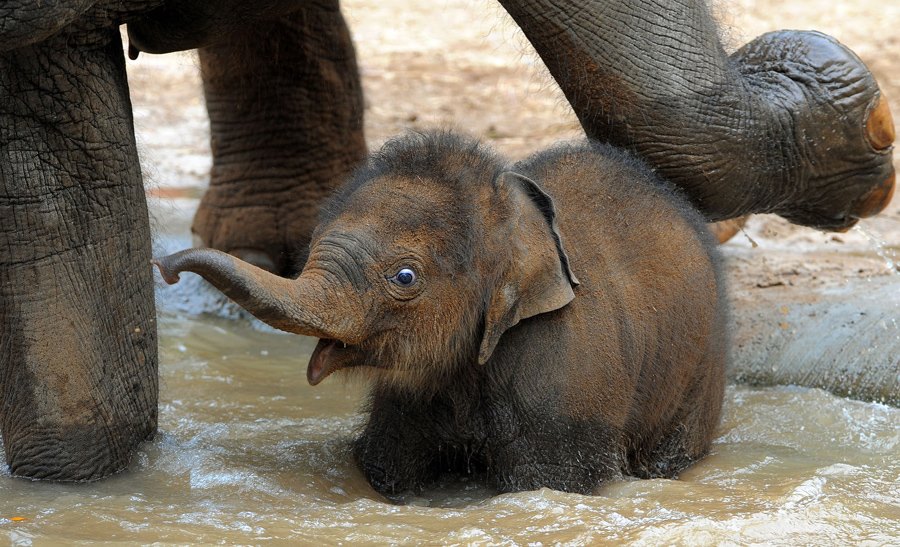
x=404, y=278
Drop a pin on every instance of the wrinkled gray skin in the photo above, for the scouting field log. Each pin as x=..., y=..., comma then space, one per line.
x=78, y=382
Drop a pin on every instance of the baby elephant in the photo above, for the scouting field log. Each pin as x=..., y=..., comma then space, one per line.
x=556, y=323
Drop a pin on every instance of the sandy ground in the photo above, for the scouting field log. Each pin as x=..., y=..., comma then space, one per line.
x=464, y=64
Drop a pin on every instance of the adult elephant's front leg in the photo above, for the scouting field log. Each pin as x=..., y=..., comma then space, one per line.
x=791, y=124
x=78, y=365
x=286, y=114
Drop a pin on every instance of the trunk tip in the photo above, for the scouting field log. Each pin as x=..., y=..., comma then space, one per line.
x=880, y=125
x=168, y=275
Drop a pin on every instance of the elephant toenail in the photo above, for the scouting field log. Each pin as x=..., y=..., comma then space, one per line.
x=877, y=198
x=880, y=125
x=256, y=257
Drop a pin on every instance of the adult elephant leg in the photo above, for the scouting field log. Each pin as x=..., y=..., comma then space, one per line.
x=286, y=114
x=78, y=364
x=792, y=124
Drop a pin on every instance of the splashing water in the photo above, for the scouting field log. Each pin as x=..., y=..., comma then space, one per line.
x=879, y=244
x=248, y=452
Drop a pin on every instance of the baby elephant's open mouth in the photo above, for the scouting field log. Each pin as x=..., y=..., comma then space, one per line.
x=329, y=356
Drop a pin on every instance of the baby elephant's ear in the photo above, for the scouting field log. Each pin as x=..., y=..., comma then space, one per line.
x=539, y=278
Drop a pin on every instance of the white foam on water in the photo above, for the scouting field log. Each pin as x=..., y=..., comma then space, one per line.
x=809, y=492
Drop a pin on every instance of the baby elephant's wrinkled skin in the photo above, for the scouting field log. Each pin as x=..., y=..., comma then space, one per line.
x=557, y=323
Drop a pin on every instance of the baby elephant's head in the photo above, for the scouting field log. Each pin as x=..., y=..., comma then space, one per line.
x=420, y=263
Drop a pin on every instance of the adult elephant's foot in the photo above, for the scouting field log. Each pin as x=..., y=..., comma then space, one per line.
x=286, y=114
x=78, y=346
x=831, y=129
x=262, y=221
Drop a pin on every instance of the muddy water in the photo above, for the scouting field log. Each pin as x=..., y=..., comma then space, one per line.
x=248, y=452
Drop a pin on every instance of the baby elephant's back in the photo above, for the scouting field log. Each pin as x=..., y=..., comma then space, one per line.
x=646, y=344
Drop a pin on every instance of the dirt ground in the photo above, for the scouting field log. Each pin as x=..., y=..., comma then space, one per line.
x=464, y=64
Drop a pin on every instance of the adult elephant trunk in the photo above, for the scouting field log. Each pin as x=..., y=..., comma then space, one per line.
x=300, y=306
x=793, y=123
x=78, y=350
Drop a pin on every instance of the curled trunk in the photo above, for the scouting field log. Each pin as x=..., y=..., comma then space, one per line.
x=301, y=306
x=793, y=123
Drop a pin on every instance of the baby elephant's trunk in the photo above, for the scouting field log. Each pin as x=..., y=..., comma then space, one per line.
x=298, y=306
